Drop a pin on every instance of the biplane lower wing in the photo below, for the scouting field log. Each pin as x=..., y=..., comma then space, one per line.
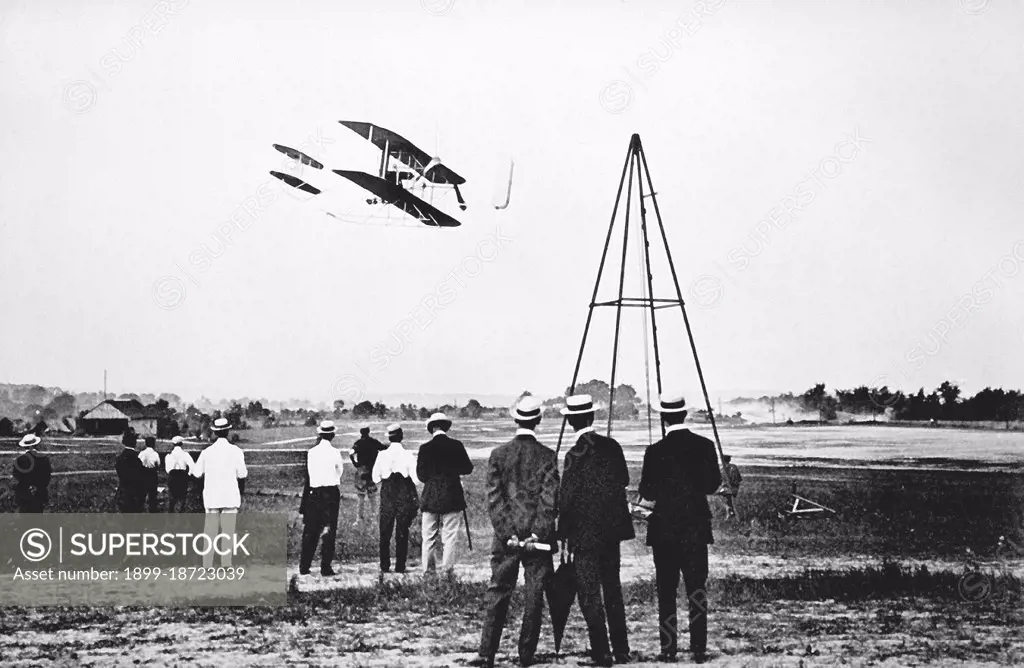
x=395, y=195
x=403, y=150
x=295, y=182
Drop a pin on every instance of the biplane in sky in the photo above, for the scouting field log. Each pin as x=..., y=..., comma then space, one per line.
x=407, y=178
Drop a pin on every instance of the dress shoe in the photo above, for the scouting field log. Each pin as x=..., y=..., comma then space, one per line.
x=665, y=657
x=327, y=572
x=482, y=662
x=625, y=657
x=604, y=660
x=700, y=657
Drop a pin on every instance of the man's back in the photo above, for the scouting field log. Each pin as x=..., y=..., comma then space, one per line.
x=366, y=450
x=679, y=472
x=441, y=462
x=522, y=489
x=221, y=465
x=593, y=509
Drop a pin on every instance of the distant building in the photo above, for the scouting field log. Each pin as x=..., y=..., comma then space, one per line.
x=113, y=417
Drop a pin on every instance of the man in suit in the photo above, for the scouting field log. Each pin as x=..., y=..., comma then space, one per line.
x=441, y=462
x=522, y=492
x=395, y=471
x=679, y=472
x=150, y=461
x=130, y=494
x=320, y=512
x=31, y=477
x=593, y=519
x=363, y=456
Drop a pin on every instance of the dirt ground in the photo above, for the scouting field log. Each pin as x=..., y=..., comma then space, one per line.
x=786, y=633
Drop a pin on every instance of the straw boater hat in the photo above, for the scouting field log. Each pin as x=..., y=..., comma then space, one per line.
x=578, y=404
x=671, y=403
x=177, y=440
x=528, y=408
x=326, y=427
x=30, y=441
x=221, y=424
x=394, y=428
x=439, y=419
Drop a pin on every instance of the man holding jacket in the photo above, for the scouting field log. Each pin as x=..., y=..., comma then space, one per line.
x=439, y=465
x=593, y=519
x=522, y=491
x=679, y=472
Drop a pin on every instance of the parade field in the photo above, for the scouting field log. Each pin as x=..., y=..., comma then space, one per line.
x=921, y=562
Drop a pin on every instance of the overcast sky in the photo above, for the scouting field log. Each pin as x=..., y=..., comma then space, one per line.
x=840, y=185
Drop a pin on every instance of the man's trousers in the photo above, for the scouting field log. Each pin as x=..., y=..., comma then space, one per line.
x=320, y=519
x=671, y=559
x=219, y=521
x=597, y=573
x=504, y=575
x=397, y=511
x=441, y=539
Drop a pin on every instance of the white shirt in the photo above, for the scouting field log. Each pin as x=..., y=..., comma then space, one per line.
x=178, y=460
x=674, y=427
x=221, y=465
x=525, y=432
x=585, y=430
x=149, y=458
x=395, y=459
x=324, y=465
x=439, y=432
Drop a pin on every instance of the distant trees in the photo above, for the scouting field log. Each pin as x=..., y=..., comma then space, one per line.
x=366, y=409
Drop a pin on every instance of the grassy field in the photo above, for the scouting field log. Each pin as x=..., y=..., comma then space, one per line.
x=847, y=587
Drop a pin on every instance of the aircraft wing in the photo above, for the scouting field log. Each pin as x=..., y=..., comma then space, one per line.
x=298, y=156
x=398, y=196
x=296, y=182
x=403, y=150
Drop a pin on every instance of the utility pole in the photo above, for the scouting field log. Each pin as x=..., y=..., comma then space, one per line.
x=773, y=410
x=104, y=385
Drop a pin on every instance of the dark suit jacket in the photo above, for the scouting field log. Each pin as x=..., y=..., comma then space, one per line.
x=32, y=470
x=130, y=473
x=593, y=509
x=679, y=472
x=522, y=489
x=440, y=462
x=365, y=456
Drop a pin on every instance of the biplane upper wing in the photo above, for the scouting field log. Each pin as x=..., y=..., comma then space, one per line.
x=295, y=182
x=398, y=196
x=298, y=156
x=403, y=150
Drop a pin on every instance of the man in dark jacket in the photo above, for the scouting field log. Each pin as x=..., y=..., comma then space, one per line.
x=439, y=465
x=522, y=491
x=363, y=456
x=593, y=519
x=130, y=476
x=679, y=472
x=31, y=477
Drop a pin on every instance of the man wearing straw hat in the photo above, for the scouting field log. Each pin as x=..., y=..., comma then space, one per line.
x=320, y=514
x=222, y=467
x=395, y=472
x=522, y=490
x=178, y=465
x=439, y=465
x=679, y=473
x=31, y=476
x=593, y=519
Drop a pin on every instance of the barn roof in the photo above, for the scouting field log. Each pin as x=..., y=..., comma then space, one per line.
x=130, y=408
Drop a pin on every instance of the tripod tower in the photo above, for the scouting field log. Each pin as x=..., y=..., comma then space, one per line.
x=637, y=177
